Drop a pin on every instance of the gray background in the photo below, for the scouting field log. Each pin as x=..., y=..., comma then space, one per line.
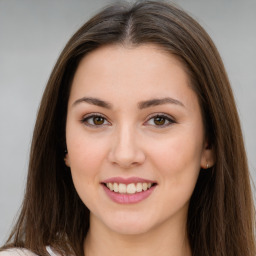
x=33, y=33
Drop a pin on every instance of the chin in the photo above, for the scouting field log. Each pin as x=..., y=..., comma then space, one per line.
x=129, y=225
x=131, y=229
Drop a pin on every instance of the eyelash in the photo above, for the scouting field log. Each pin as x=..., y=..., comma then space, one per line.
x=164, y=117
x=85, y=120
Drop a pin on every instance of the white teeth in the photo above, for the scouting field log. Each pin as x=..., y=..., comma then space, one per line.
x=144, y=186
x=131, y=188
x=139, y=187
x=116, y=187
x=122, y=188
x=110, y=186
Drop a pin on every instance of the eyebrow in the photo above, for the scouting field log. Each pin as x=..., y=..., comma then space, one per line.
x=93, y=101
x=141, y=105
x=156, y=102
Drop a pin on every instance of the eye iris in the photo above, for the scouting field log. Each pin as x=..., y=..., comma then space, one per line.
x=98, y=120
x=159, y=120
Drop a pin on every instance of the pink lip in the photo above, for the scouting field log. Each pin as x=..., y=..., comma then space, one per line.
x=127, y=198
x=127, y=180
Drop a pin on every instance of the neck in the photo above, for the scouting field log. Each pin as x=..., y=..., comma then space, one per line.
x=164, y=240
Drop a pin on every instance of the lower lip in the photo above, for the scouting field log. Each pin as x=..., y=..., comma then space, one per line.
x=128, y=198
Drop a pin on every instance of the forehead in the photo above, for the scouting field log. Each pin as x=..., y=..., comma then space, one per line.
x=143, y=71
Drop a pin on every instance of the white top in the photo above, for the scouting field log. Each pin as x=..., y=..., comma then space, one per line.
x=24, y=252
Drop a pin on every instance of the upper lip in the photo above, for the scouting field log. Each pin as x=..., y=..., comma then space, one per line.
x=127, y=180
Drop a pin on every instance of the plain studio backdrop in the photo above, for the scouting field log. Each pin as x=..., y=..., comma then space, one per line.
x=32, y=35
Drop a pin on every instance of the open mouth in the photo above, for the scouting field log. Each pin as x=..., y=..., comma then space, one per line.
x=130, y=188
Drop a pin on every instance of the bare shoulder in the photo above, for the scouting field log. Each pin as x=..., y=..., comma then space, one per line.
x=17, y=252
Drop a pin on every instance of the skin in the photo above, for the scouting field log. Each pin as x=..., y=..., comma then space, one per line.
x=129, y=142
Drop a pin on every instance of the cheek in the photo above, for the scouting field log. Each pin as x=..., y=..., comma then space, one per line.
x=84, y=150
x=86, y=155
x=178, y=157
x=178, y=166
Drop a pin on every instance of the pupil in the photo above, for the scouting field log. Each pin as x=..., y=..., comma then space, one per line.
x=159, y=120
x=98, y=120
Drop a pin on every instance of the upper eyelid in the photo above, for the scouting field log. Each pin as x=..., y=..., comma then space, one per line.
x=167, y=116
x=91, y=115
x=162, y=115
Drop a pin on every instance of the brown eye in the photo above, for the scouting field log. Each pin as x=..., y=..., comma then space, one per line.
x=98, y=120
x=159, y=120
x=95, y=120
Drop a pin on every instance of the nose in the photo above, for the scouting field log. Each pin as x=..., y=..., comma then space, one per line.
x=125, y=151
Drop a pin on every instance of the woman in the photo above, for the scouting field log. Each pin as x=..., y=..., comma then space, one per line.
x=137, y=148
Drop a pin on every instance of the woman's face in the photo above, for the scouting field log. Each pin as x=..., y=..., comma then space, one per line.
x=135, y=138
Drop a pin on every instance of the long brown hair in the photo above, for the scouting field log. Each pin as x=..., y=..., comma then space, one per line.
x=221, y=212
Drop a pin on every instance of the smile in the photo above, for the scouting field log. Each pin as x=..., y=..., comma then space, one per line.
x=128, y=191
x=131, y=188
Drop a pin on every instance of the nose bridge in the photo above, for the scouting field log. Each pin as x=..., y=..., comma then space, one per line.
x=125, y=149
